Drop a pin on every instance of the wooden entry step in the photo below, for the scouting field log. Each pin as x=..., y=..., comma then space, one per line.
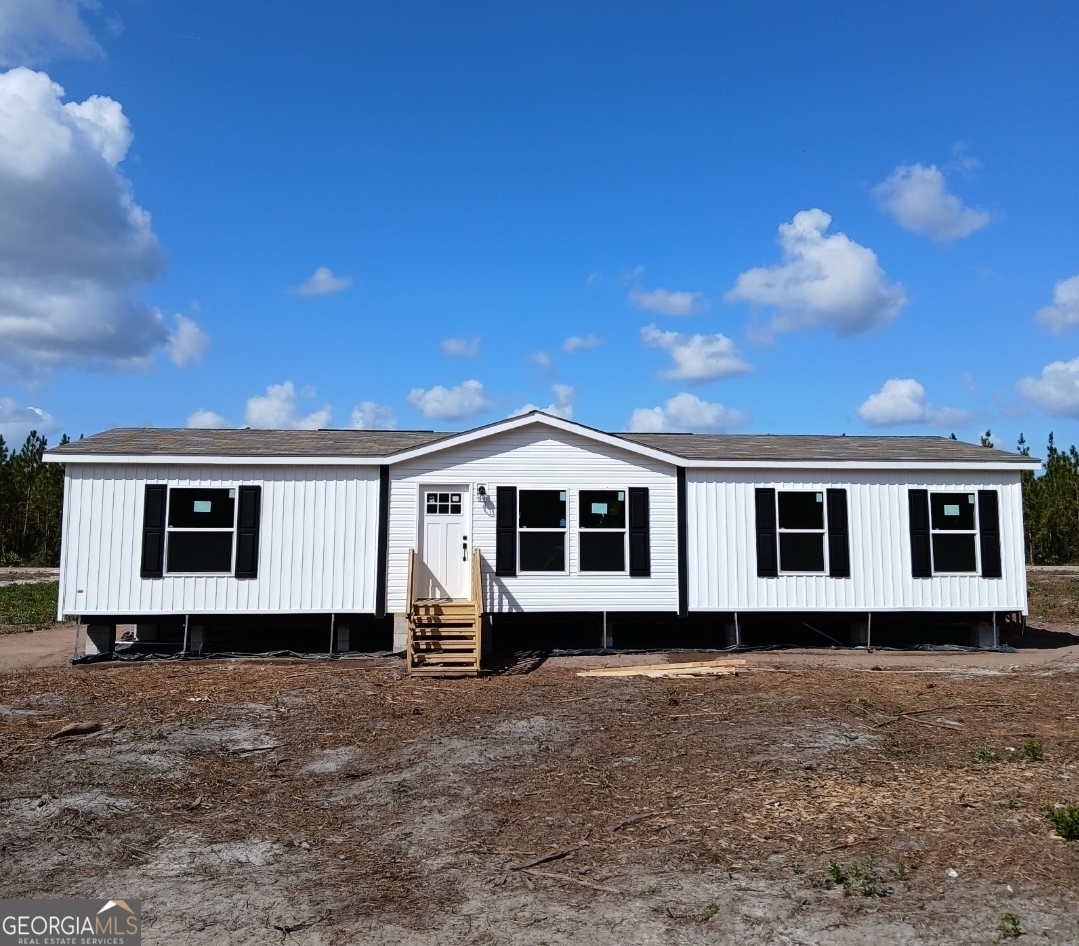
x=444, y=633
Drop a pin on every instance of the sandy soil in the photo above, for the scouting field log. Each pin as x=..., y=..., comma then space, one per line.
x=45, y=647
x=313, y=803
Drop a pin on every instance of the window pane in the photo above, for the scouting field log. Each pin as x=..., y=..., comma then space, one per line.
x=543, y=551
x=801, y=510
x=200, y=552
x=201, y=508
x=952, y=510
x=954, y=553
x=542, y=509
x=801, y=551
x=455, y=509
x=603, y=551
x=603, y=509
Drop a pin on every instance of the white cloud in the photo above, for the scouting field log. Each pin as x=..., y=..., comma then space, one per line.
x=562, y=406
x=188, y=343
x=203, y=419
x=36, y=30
x=322, y=283
x=828, y=281
x=901, y=401
x=576, y=343
x=541, y=358
x=17, y=421
x=276, y=410
x=451, y=403
x=667, y=302
x=1064, y=312
x=593, y=278
x=367, y=415
x=696, y=357
x=685, y=412
x=916, y=197
x=73, y=243
x=1057, y=391
x=461, y=347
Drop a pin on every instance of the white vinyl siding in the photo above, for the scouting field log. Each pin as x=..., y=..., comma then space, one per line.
x=541, y=458
x=317, y=542
x=723, y=559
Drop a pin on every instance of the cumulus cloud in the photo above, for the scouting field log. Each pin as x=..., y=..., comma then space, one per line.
x=461, y=347
x=824, y=280
x=1057, y=391
x=667, y=302
x=917, y=198
x=17, y=421
x=203, y=419
x=902, y=401
x=685, y=412
x=322, y=283
x=33, y=31
x=541, y=358
x=188, y=343
x=277, y=410
x=451, y=403
x=562, y=405
x=576, y=343
x=73, y=242
x=696, y=357
x=367, y=415
x=1064, y=312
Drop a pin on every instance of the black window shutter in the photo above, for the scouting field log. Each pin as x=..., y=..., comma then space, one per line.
x=921, y=565
x=247, y=532
x=506, y=531
x=640, y=554
x=767, y=559
x=153, y=531
x=838, y=534
x=989, y=530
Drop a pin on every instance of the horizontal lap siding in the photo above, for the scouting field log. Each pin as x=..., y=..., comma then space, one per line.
x=532, y=458
x=317, y=542
x=722, y=545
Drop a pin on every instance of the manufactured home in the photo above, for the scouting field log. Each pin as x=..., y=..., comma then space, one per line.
x=446, y=540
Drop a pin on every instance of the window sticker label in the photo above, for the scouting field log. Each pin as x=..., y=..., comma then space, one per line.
x=562, y=496
x=599, y=509
x=621, y=495
x=970, y=498
x=950, y=510
x=202, y=505
x=820, y=497
x=232, y=494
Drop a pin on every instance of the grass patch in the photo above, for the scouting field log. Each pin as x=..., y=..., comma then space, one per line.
x=29, y=603
x=1033, y=751
x=1009, y=926
x=861, y=878
x=985, y=754
x=1066, y=820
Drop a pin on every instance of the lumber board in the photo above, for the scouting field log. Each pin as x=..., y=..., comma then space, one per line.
x=730, y=664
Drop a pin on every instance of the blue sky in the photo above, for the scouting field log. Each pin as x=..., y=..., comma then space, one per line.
x=403, y=214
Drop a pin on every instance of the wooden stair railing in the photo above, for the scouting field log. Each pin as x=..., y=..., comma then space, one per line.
x=444, y=634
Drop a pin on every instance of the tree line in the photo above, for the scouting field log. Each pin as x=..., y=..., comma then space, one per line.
x=31, y=504
x=32, y=497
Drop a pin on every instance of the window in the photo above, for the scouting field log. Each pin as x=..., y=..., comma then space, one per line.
x=200, y=530
x=954, y=531
x=801, y=531
x=542, y=537
x=603, y=530
x=444, y=504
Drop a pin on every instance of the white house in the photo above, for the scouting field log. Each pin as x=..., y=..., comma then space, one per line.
x=533, y=514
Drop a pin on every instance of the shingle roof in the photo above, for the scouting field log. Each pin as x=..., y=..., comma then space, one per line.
x=787, y=447
x=181, y=442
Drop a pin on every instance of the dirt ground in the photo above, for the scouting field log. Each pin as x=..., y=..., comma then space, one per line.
x=825, y=797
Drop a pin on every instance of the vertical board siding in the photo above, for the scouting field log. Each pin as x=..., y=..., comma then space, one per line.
x=532, y=458
x=316, y=551
x=723, y=555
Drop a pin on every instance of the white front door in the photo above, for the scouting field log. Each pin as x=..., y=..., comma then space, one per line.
x=444, y=553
